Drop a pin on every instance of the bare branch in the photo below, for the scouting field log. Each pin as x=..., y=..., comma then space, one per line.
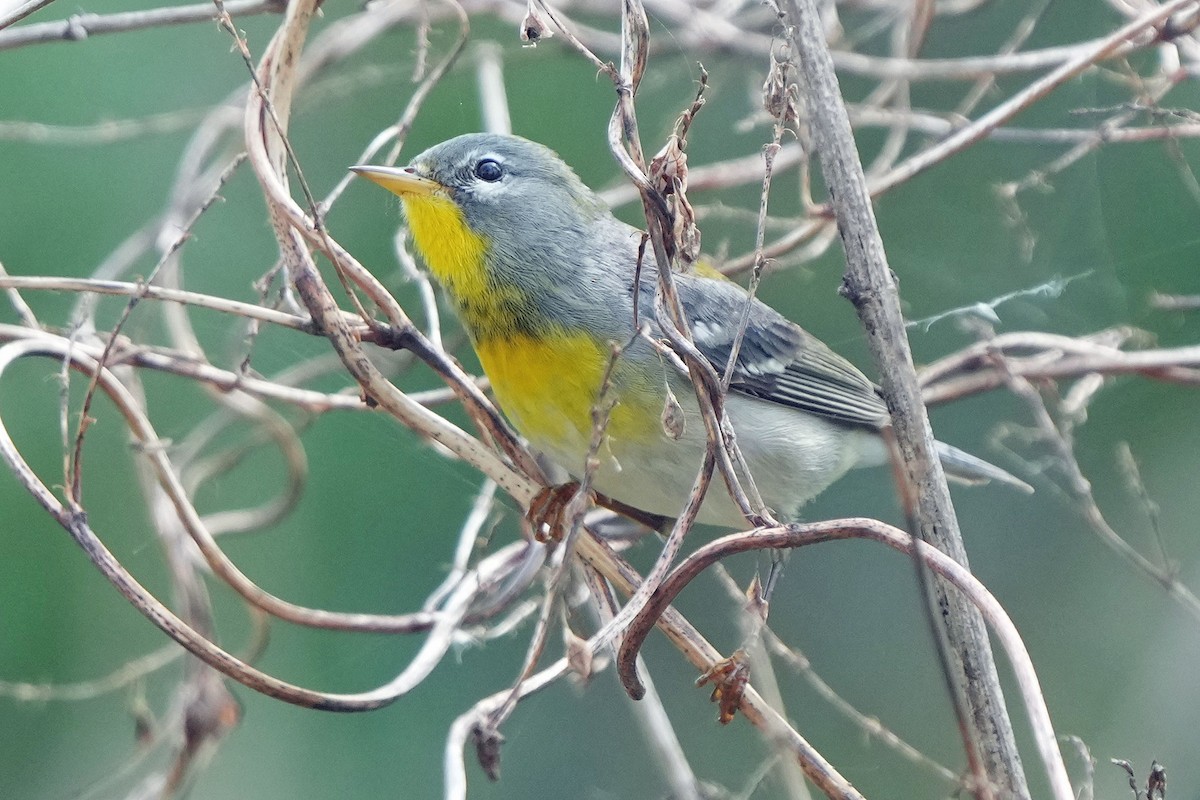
x=78, y=27
x=791, y=536
x=375, y=349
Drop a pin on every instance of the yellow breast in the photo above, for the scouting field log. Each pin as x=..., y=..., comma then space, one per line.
x=547, y=385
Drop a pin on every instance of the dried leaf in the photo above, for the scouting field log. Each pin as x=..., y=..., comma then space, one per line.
x=487, y=750
x=669, y=175
x=729, y=678
x=535, y=27
x=1156, y=784
x=756, y=600
x=673, y=419
x=781, y=95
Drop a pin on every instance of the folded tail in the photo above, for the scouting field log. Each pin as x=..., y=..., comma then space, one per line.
x=963, y=467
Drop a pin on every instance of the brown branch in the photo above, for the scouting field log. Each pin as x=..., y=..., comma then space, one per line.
x=792, y=536
x=457, y=603
x=73, y=480
x=75, y=523
x=962, y=641
x=1080, y=489
x=1106, y=47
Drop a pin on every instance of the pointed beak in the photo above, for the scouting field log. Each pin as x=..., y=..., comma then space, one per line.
x=403, y=181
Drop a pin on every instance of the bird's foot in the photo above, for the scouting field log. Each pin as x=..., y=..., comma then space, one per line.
x=553, y=510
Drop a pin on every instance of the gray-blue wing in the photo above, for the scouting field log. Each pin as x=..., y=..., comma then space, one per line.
x=778, y=360
x=781, y=362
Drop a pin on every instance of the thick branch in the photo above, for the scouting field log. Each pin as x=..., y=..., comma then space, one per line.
x=870, y=285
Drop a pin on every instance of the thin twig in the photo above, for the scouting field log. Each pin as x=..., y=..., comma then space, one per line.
x=121, y=678
x=78, y=27
x=791, y=536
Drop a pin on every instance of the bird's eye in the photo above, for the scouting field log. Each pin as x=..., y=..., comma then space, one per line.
x=489, y=170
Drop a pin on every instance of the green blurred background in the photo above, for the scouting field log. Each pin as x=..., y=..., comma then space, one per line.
x=376, y=526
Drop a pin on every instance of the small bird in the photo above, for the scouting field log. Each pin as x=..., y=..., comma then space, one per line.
x=545, y=280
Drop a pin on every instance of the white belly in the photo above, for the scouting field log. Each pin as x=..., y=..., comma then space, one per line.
x=657, y=476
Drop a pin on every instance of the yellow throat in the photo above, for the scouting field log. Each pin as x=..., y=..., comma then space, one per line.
x=452, y=250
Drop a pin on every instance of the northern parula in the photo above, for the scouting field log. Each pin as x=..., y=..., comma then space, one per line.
x=543, y=277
